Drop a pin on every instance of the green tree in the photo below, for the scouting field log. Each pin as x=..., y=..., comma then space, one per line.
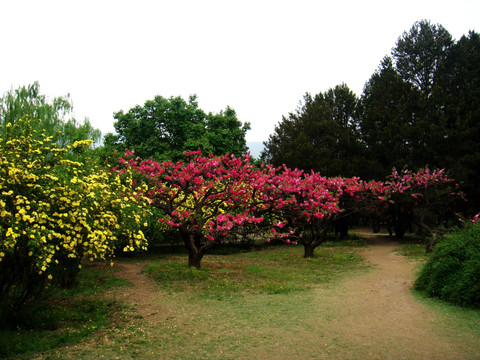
x=418, y=56
x=421, y=106
x=72, y=130
x=456, y=93
x=27, y=101
x=322, y=135
x=164, y=129
x=402, y=124
x=419, y=52
x=387, y=107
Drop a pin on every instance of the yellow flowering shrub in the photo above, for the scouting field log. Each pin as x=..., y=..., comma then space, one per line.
x=56, y=210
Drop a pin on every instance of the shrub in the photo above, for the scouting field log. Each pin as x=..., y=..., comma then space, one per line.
x=55, y=211
x=452, y=272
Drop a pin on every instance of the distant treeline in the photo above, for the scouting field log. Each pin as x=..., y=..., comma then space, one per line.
x=420, y=107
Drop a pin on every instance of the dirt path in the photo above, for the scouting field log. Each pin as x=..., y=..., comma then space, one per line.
x=372, y=315
x=143, y=294
x=377, y=316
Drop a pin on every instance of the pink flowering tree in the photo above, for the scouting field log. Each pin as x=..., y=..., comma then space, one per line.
x=207, y=199
x=352, y=192
x=307, y=205
x=374, y=206
x=425, y=198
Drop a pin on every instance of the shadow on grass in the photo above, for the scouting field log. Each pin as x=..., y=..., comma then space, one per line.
x=66, y=317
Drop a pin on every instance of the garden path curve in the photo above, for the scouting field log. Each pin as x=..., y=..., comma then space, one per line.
x=377, y=314
x=372, y=314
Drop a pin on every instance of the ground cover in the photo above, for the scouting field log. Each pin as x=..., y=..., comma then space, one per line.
x=67, y=317
x=350, y=302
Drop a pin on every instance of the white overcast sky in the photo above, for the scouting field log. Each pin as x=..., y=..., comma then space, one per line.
x=258, y=57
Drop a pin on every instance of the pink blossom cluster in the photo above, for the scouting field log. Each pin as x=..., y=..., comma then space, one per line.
x=207, y=196
x=415, y=183
x=213, y=196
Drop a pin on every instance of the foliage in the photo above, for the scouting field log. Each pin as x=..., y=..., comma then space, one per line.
x=426, y=198
x=457, y=90
x=419, y=53
x=55, y=211
x=420, y=197
x=386, y=111
x=453, y=268
x=163, y=129
x=213, y=199
x=27, y=101
x=400, y=121
x=419, y=108
x=322, y=135
x=68, y=318
x=307, y=204
x=206, y=199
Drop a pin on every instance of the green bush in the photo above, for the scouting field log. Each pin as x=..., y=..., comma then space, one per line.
x=54, y=212
x=452, y=272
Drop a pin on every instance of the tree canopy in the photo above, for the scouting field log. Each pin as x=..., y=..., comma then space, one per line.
x=401, y=120
x=51, y=116
x=322, y=135
x=163, y=129
x=419, y=53
x=419, y=108
x=457, y=92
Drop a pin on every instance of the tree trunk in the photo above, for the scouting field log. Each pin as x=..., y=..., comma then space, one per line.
x=196, y=251
x=341, y=228
x=401, y=220
x=194, y=260
x=399, y=231
x=309, y=250
x=319, y=235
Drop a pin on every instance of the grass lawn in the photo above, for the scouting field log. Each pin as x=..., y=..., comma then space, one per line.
x=241, y=304
x=67, y=317
x=237, y=283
